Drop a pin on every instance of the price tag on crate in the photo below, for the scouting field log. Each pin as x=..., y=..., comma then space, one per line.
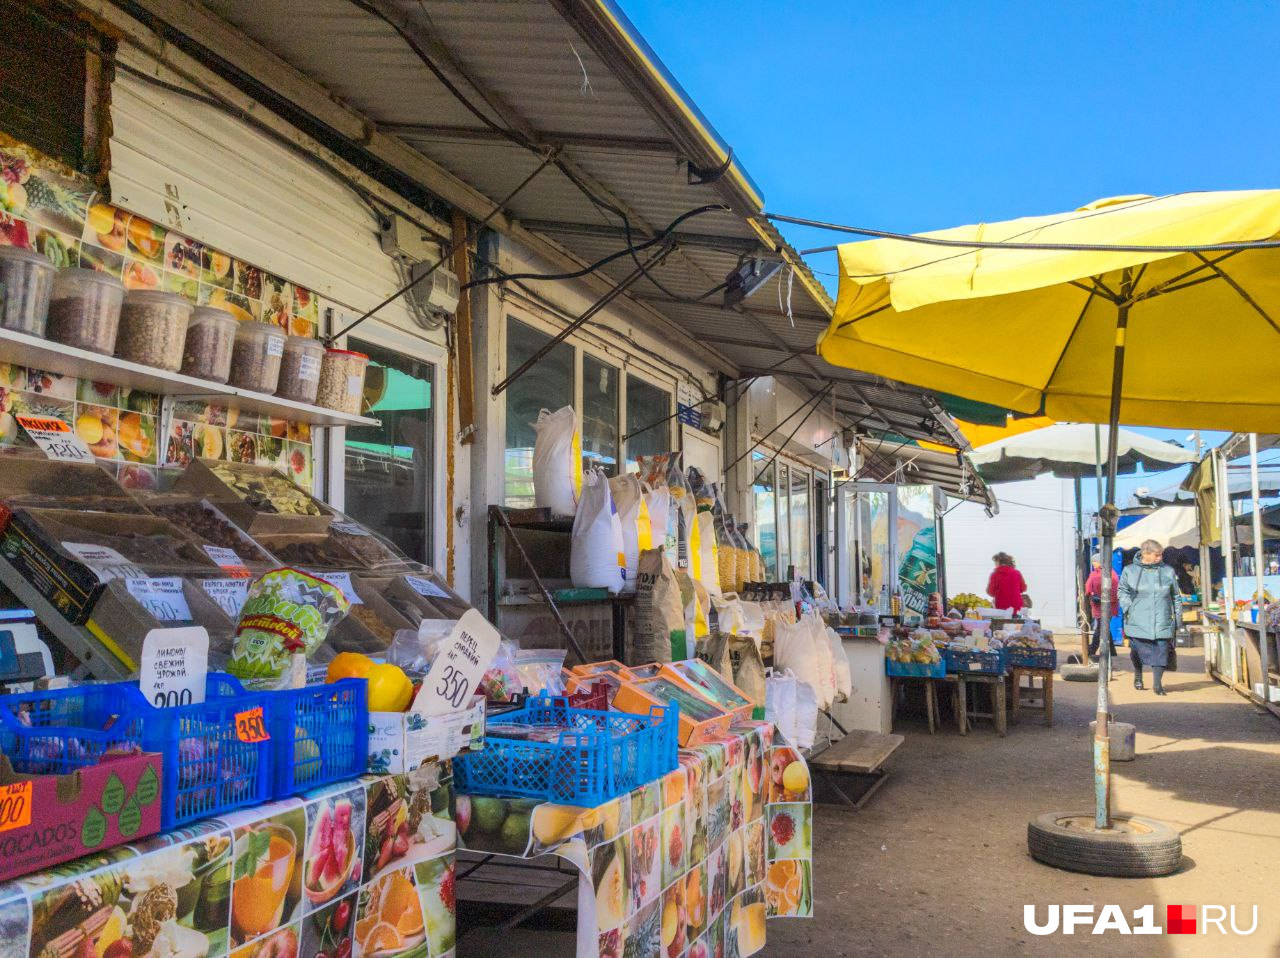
x=425, y=587
x=229, y=594
x=227, y=559
x=462, y=661
x=173, y=666
x=162, y=597
x=15, y=805
x=55, y=438
x=251, y=726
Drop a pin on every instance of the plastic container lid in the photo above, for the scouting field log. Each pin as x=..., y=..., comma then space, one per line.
x=347, y=352
x=72, y=275
x=305, y=343
x=256, y=329
x=204, y=315
x=25, y=255
x=158, y=297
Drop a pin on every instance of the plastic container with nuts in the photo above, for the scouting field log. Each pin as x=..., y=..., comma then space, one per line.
x=26, y=279
x=153, y=328
x=300, y=369
x=255, y=361
x=211, y=335
x=342, y=380
x=85, y=310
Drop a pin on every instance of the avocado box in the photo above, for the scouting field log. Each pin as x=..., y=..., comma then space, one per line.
x=49, y=819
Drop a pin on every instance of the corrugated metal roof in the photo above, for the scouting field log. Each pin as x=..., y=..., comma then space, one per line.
x=573, y=76
x=885, y=461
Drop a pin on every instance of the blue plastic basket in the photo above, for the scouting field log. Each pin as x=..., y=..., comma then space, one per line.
x=1025, y=658
x=973, y=660
x=915, y=670
x=597, y=756
x=206, y=768
x=321, y=735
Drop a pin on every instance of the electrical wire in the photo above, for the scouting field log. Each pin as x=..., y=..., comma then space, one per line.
x=817, y=402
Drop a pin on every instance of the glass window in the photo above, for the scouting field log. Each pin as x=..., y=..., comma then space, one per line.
x=548, y=384
x=390, y=469
x=647, y=406
x=765, y=524
x=599, y=415
x=800, y=556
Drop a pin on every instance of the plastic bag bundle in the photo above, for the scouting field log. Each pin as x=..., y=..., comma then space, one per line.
x=540, y=670
x=843, y=674
x=794, y=648
x=557, y=461
x=790, y=705
x=633, y=519
x=596, y=559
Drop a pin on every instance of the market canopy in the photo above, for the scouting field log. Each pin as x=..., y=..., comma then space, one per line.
x=1035, y=330
x=1173, y=527
x=1072, y=450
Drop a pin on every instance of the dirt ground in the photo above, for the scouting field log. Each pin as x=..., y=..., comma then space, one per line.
x=937, y=864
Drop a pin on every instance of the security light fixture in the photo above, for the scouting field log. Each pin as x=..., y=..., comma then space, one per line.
x=747, y=277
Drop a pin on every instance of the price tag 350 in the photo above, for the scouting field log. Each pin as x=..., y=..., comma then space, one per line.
x=251, y=726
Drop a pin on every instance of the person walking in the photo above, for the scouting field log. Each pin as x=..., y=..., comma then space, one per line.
x=1093, y=589
x=1006, y=585
x=1152, y=608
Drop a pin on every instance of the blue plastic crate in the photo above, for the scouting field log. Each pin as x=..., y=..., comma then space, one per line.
x=1025, y=658
x=973, y=660
x=207, y=770
x=320, y=734
x=915, y=670
x=598, y=755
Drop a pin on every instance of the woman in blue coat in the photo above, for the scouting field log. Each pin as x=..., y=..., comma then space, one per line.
x=1152, y=608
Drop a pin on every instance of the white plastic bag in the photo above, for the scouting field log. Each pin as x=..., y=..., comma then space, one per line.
x=806, y=715
x=793, y=649
x=557, y=461
x=780, y=702
x=633, y=518
x=844, y=675
x=826, y=661
x=595, y=550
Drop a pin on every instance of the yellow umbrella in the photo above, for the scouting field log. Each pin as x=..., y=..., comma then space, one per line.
x=1032, y=329
x=1037, y=315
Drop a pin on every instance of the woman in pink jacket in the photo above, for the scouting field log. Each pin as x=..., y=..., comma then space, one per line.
x=1006, y=584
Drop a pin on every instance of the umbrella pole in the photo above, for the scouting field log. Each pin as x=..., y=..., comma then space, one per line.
x=1107, y=515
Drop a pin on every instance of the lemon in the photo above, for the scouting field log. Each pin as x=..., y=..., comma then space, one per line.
x=112, y=931
x=89, y=428
x=554, y=823
x=670, y=923
x=102, y=218
x=795, y=777
x=389, y=688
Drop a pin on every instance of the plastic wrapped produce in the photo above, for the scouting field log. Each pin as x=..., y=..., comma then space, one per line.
x=153, y=328
x=26, y=280
x=84, y=310
x=286, y=611
x=300, y=369
x=211, y=336
x=255, y=358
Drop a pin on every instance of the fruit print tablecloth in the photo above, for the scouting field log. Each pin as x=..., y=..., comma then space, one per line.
x=359, y=870
x=691, y=865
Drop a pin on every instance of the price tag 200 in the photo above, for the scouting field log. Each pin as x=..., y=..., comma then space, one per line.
x=251, y=727
x=15, y=806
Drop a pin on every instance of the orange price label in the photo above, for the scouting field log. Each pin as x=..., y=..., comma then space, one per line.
x=15, y=805
x=250, y=725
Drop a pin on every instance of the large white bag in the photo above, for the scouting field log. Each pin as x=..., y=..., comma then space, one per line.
x=557, y=461
x=633, y=516
x=791, y=706
x=595, y=550
x=844, y=675
x=826, y=662
x=793, y=648
x=708, y=553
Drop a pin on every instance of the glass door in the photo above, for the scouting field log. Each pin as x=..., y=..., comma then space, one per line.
x=389, y=470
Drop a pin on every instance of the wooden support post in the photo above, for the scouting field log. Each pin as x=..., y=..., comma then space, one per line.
x=462, y=331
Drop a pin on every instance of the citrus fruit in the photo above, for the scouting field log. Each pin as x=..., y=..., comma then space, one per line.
x=89, y=428
x=383, y=937
x=670, y=922
x=795, y=777
x=554, y=823
x=785, y=884
x=349, y=665
x=389, y=688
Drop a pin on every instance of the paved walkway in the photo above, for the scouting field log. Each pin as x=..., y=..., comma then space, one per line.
x=937, y=863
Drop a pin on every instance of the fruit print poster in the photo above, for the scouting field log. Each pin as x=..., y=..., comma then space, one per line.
x=282, y=880
x=691, y=865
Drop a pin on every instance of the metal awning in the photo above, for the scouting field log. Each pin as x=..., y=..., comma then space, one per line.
x=901, y=462
x=488, y=89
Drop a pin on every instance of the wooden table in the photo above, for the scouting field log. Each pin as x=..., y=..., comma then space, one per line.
x=1040, y=698
x=995, y=683
x=931, y=685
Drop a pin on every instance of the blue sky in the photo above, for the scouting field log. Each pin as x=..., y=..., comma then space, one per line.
x=911, y=116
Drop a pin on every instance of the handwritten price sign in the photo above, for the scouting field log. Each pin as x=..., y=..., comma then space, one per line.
x=15, y=806
x=462, y=661
x=55, y=438
x=251, y=727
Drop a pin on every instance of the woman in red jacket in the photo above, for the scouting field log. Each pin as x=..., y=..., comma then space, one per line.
x=1006, y=584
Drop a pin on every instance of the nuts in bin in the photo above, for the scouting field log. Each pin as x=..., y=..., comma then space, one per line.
x=267, y=493
x=206, y=524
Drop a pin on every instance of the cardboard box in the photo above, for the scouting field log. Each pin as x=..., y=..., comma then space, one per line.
x=200, y=479
x=120, y=621
x=696, y=727
x=48, y=819
x=701, y=678
x=35, y=543
x=403, y=741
